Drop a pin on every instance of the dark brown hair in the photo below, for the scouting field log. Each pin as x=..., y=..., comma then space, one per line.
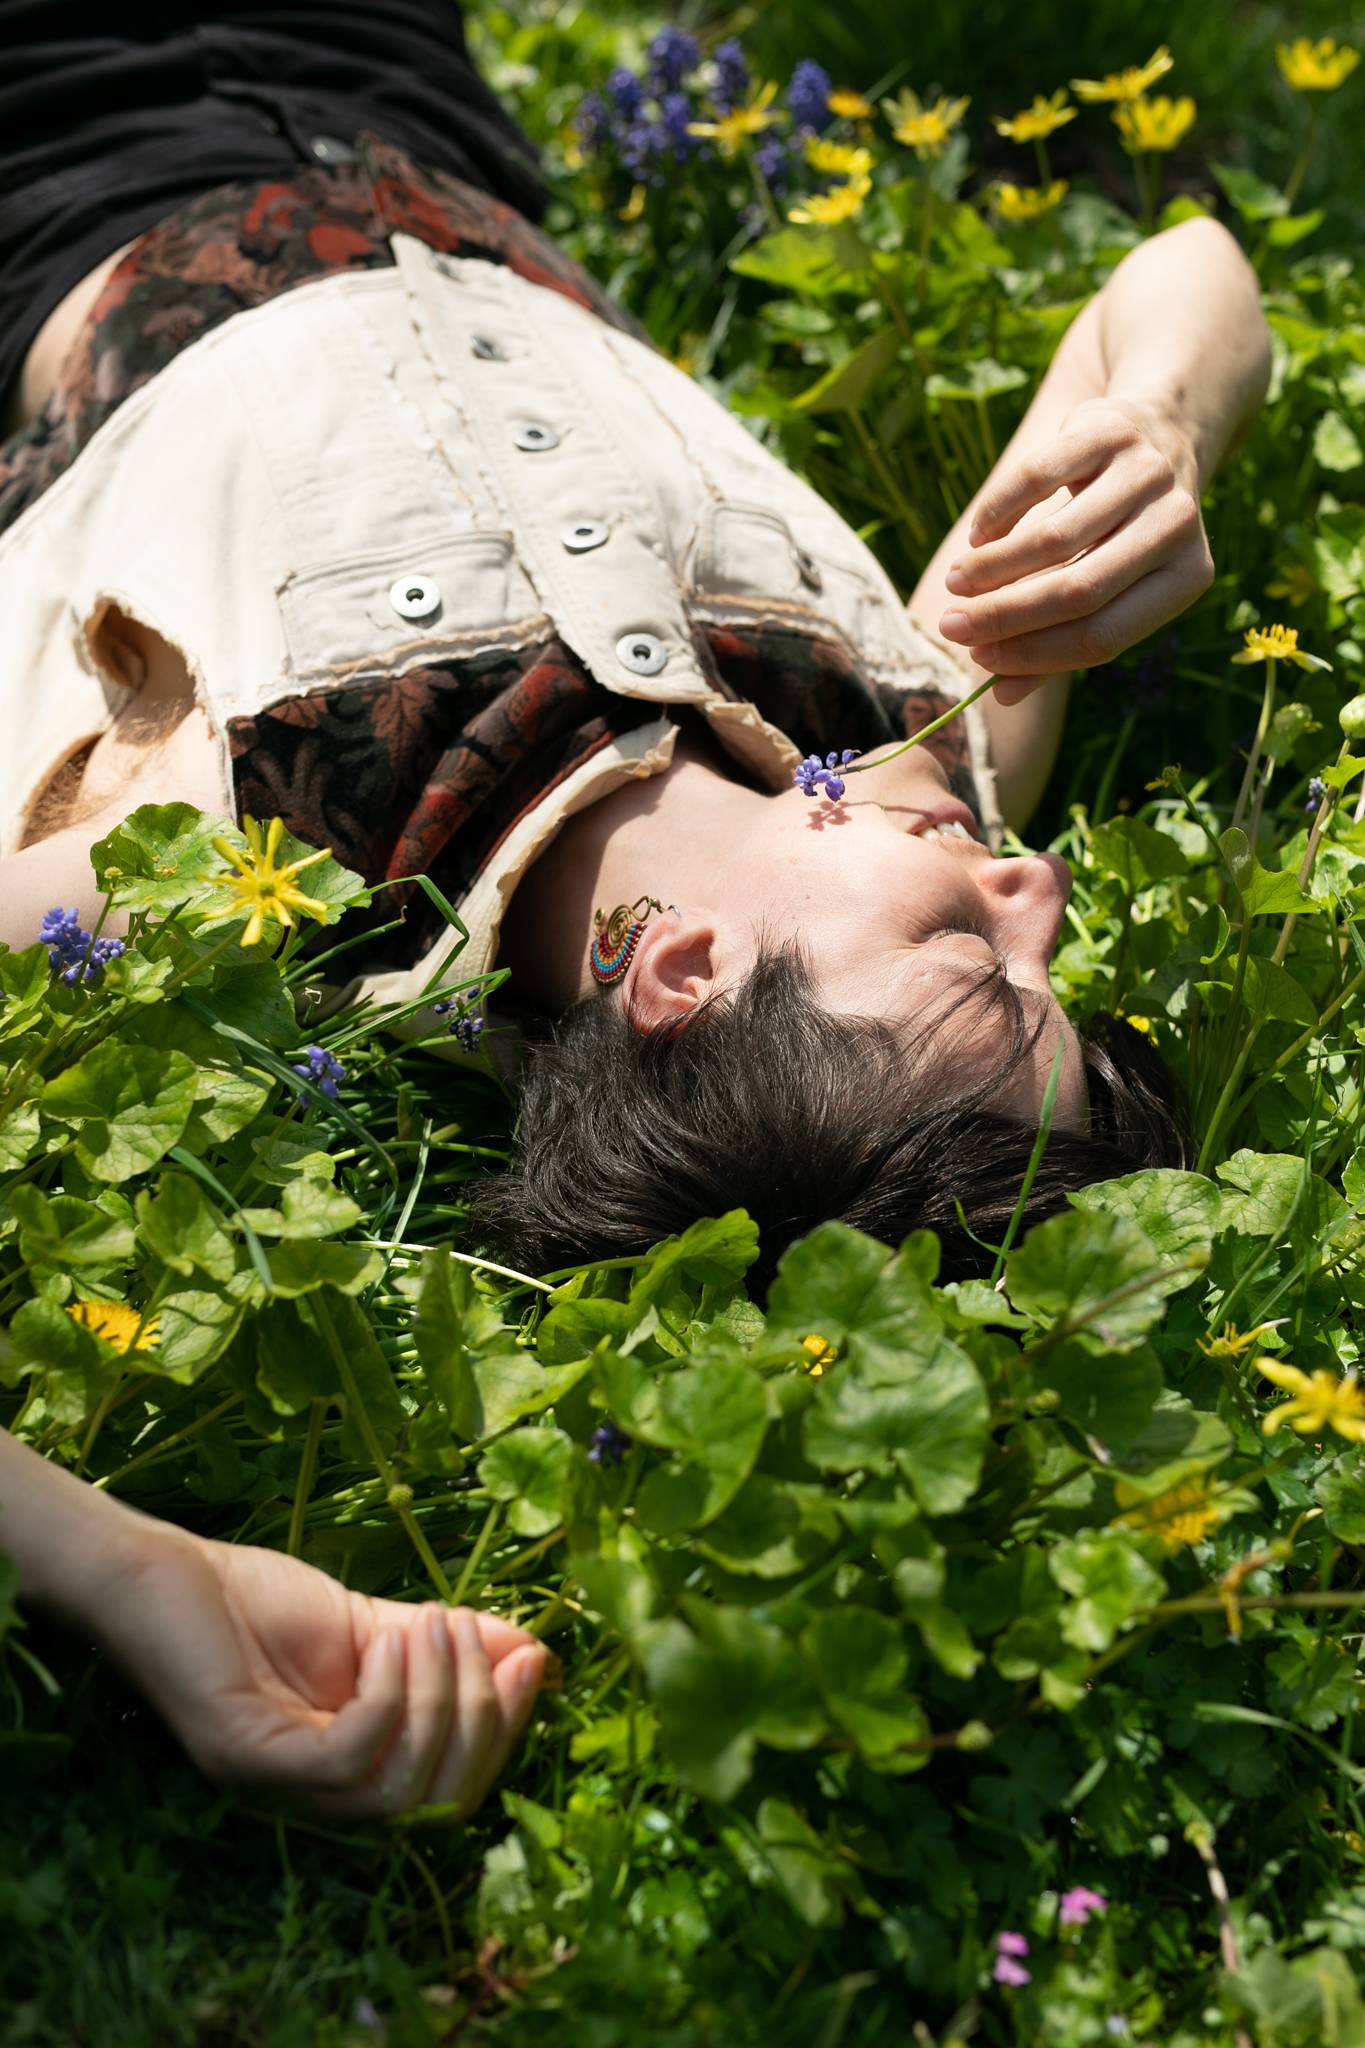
x=765, y=1101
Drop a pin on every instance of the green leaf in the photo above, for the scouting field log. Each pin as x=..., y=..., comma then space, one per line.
x=129, y=1104
x=1335, y=445
x=804, y=1867
x=161, y=856
x=1177, y=1212
x=714, y=1416
x=184, y=1229
x=297, y=1269
x=932, y=1423
x=850, y=382
x=860, y=1661
x=1096, y=1272
x=1288, y=229
x=1253, y=198
x=370, y=1371
x=1341, y=1495
x=225, y=1102
x=483, y=1380
x=979, y=378
x=197, y=1325
x=813, y=262
x=25, y=980
x=528, y=1467
x=713, y=1252
x=77, y=1367
x=20, y=1131
x=822, y=1283
x=1271, y=991
x=292, y=1367
x=1266, y=1189
x=725, y=1683
x=771, y=1529
x=1109, y=1581
x=62, y=1231
x=1110, y=1398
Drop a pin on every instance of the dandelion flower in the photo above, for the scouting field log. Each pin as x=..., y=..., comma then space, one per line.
x=1145, y=124
x=1277, y=643
x=259, y=886
x=1028, y=202
x=848, y=105
x=1319, y=1400
x=730, y=131
x=1315, y=67
x=837, y=159
x=827, y=209
x=117, y=1323
x=822, y=1354
x=1039, y=120
x=1129, y=84
x=923, y=129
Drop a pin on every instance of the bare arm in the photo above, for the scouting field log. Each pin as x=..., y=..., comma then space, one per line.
x=1086, y=536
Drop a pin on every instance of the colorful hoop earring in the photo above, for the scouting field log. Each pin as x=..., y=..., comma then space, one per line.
x=617, y=936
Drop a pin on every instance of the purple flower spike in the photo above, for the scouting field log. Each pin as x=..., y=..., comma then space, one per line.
x=322, y=1069
x=69, y=950
x=834, y=788
x=814, y=774
x=1317, y=790
x=671, y=54
x=609, y=1445
x=1077, y=1905
x=808, y=96
x=731, y=81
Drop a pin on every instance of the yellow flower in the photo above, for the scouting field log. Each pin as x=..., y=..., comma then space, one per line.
x=827, y=209
x=1128, y=84
x=117, y=1323
x=821, y=1354
x=259, y=886
x=1153, y=124
x=1298, y=584
x=1316, y=67
x=1277, y=643
x=837, y=159
x=1142, y=1024
x=1183, y=1514
x=1027, y=202
x=1319, y=1400
x=923, y=129
x=1038, y=120
x=730, y=130
x=1234, y=1342
x=847, y=105
x=634, y=206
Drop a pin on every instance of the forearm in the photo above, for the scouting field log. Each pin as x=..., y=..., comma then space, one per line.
x=1181, y=329
x=64, y=1539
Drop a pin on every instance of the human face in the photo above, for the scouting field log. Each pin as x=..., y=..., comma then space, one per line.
x=903, y=911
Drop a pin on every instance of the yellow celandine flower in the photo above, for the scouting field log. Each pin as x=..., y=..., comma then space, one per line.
x=259, y=886
x=847, y=105
x=923, y=129
x=1182, y=1515
x=1315, y=67
x=1142, y=1024
x=118, y=1324
x=1128, y=84
x=837, y=159
x=1027, y=202
x=827, y=209
x=821, y=1354
x=730, y=131
x=1039, y=120
x=1319, y=1400
x=1153, y=124
x=1277, y=643
x=634, y=206
x=1234, y=1342
x=1298, y=584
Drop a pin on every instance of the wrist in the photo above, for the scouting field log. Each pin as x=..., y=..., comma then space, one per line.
x=1164, y=421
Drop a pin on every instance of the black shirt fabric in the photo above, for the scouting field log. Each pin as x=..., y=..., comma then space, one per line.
x=112, y=117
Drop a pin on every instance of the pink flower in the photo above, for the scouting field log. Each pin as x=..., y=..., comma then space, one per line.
x=1079, y=1903
x=1007, y=1971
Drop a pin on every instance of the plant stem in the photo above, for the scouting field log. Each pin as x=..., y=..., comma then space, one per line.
x=927, y=732
x=304, y=1485
x=1263, y=726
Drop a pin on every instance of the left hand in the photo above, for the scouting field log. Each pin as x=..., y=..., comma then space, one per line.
x=272, y=1673
x=1082, y=549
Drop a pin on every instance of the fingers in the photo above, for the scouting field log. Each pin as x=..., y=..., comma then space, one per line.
x=395, y=1775
x=1059, y=531
x=1083, y=643
x=1067, y=460
x=1055, y=597
x=365, y=1726
x=476, y=1750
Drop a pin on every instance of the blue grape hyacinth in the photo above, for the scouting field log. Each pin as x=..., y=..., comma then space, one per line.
x=808, y=96
x=322, y=1068
x=69, y=948
x=815, y=775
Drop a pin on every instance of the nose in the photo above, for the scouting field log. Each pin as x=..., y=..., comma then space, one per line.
x=1023, y=902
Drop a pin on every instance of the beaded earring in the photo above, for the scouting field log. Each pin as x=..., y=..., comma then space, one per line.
x=617, y=936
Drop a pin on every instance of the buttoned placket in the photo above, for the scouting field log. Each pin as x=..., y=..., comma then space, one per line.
x=561, y=480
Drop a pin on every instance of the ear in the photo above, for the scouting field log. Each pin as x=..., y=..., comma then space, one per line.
x=673, y=970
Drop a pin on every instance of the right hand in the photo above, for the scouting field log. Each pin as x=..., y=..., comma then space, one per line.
x=272, y=1673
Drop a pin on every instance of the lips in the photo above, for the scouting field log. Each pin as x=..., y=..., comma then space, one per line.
x=946, y=822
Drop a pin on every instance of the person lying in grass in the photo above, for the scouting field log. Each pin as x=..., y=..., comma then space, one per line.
x=338, y=494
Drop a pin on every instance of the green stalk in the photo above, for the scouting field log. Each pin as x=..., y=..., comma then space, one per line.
x=1035, y=1161
x=934, y=726
x=304, y=1485
x=356, y=1404
x=1262, y=727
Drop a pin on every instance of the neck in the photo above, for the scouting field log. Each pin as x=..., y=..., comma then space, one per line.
x=676, y=836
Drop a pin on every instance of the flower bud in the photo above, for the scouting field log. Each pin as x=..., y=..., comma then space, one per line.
x=1351, y=718
x=400, y=1496
x=974, y=1735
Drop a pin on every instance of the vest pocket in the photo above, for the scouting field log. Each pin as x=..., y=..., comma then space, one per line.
x=395, y=607
x=748, y=552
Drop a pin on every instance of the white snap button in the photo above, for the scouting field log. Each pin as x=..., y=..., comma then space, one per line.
x=533, y=435
x=415, y=597
x=487, y=351
x=808, y=569
x=329, y=150
x=642, y=653
x=580, y=535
